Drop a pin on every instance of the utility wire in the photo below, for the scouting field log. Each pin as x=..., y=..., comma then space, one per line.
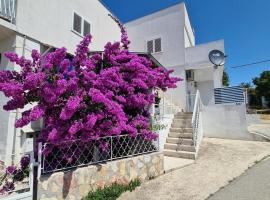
x=254, y=63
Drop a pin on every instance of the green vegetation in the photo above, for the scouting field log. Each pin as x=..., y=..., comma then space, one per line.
x=113, y=191
x=261, y=89
x=262, y=84
x=225, y=79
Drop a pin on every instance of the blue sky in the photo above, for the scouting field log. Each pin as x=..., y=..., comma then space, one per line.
x=243, y=24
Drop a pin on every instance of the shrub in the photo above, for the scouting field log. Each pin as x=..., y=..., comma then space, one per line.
x=113, y=191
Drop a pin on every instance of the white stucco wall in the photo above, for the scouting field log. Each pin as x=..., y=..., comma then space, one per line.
x=6, y=44
x=167, y=24
x=227, y=121
x=163, y=134
x=206, y=89
x=51, y=22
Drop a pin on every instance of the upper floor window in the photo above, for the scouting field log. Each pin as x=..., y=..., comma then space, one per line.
x=154, y=46
x=80, y=25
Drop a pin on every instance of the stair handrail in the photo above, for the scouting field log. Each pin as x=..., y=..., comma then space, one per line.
x=197, y=135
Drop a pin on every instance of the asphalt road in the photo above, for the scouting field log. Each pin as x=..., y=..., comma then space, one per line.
x=252, y=185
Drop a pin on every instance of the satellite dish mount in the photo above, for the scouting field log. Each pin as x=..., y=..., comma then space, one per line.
x=217, y=57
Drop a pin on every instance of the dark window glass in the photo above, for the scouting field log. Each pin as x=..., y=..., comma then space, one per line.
x=87, y=28
x=77, y=23
x=150, y=46
x=158, y=45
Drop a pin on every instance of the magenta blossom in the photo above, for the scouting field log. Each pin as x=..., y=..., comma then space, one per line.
x=88, y=96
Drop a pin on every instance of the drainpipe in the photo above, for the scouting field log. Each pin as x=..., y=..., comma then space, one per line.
x=17, y=112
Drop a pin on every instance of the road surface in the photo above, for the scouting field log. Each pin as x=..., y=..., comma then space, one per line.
x=252, y=185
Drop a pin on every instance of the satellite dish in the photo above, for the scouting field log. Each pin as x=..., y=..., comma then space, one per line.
x=217, y=57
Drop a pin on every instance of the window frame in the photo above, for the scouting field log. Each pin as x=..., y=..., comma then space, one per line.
x=154, y=45
x=82, y=24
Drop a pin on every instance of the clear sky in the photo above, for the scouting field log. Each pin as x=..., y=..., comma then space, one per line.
x=243, y=24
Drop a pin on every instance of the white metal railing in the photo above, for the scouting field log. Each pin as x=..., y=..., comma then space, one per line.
x=196, y=122
x=77, y=153
x=8, y=10
x=167, y=106
x=190, y=102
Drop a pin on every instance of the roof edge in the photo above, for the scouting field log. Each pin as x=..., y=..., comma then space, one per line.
x=155, y=12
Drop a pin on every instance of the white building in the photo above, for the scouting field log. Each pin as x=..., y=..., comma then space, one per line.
x=169, y=36
x=39, y=24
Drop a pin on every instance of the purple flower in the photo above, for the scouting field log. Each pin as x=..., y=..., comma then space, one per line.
x=7, y=187
x=25, y=161
x=35, y=55
x=104, y=146
x=11, y=169
x=37, y=112
x=70, y=108
x=87, y=97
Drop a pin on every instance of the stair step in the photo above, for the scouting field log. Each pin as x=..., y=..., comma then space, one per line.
x=179, y=154
x=176, y=147
x=177, y=125
x=180, y=135
x=182, y=116
x=179, y=141
x=182, y=121
x=181, y=130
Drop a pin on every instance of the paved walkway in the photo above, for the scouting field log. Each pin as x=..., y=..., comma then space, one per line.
x=171, y=163
x=263, y=129
x=219, y=162
x=254, y=184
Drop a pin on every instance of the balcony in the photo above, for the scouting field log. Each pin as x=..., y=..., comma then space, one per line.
x=8, y=10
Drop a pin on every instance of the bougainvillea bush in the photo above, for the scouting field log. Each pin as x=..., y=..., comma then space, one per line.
x=14, y=174
x=88, y=96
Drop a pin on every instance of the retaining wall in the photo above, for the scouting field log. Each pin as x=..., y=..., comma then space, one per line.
x=76, y=184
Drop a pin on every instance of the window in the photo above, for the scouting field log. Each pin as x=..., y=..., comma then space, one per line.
x=77, y=23
x=86, y=28
x=158, y=45
x=154, y=46
x=150, y=46
x=80, y=25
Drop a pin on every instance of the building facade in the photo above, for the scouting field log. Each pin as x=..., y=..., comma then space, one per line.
x=168, y=35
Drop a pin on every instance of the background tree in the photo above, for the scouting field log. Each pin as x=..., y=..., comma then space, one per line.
x=225, y=79
x=262, y=85
x=253, y=98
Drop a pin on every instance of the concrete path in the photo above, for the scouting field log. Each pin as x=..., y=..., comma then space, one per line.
x=219, y=162
x=263, y=129
x=172, y=163
x=254, y=184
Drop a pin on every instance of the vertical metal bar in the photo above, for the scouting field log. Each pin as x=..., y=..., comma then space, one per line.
x=31, y=175
x=111, y=138
x=9, y=9
x=5, y=8
x=40, y=166
x=13, y=11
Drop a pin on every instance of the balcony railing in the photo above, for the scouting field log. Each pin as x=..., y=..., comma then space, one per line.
x=8, y=10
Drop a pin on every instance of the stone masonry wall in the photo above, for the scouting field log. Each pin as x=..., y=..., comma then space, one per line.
x=75, y=184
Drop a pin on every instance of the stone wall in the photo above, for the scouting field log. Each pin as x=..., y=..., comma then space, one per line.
x=76, y=183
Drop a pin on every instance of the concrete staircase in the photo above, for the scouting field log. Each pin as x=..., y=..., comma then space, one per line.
x=180, y=139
